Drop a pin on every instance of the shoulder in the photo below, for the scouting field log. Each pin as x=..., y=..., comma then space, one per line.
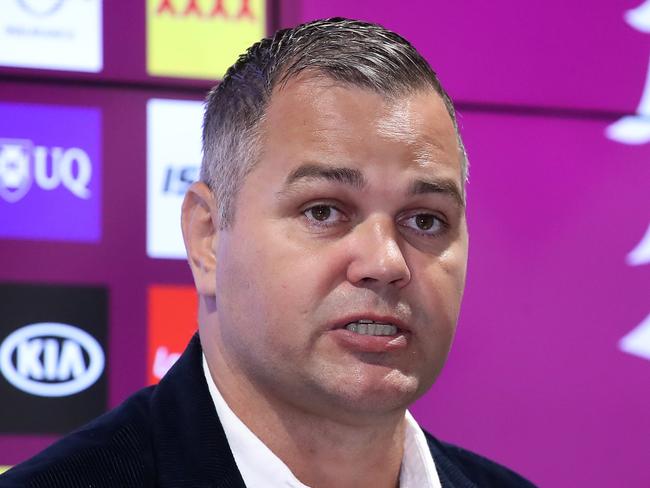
x=112, y=450
x=456, y=461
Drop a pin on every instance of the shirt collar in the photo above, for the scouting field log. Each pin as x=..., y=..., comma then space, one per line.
x=258, y=464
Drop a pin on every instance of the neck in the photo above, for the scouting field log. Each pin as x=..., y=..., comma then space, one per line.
x=338, y=450
x=323, y=453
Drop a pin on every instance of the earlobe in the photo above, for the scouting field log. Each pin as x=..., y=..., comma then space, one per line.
x=200, y=232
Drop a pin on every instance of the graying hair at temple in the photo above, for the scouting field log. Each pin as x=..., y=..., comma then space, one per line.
x=348, y=51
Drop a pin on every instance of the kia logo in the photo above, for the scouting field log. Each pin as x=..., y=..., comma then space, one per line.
x=51, y=359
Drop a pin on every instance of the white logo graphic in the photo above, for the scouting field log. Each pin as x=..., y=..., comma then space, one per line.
x=15, y=177
x=173, y=161
x=641, y=253
x=51, y=34
x=51, y=359
x=635, y=129
x=41, y=7
x=52, y=167
x=637, y=341
x=163, y=361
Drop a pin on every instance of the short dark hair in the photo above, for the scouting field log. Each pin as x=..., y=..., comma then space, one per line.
x=349, y=51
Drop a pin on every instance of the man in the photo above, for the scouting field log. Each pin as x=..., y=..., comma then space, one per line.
x=328, y=244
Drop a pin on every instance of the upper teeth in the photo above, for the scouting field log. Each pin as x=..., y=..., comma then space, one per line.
x=369, y=327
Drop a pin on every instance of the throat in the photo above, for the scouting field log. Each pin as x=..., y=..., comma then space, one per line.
x=364, y=456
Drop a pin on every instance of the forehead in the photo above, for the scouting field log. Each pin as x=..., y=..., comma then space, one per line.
x=319, y=119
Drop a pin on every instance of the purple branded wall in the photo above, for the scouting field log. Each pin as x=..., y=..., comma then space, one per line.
x=551, y=362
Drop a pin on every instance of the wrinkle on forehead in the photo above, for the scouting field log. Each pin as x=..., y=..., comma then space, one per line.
x=327, y=117
x=398, y=121
x=402, y=123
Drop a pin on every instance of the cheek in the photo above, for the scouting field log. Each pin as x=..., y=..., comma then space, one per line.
x=247, y=310
x=263, y=285
x=237, y=280
x=441, y=287
x=303, y=270
x=453, y=263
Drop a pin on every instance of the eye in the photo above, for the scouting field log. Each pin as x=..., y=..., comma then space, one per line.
x=424, y=223
x=323, y=215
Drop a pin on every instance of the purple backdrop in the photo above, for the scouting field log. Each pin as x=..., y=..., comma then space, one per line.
x=539, y=53
x=536, y=379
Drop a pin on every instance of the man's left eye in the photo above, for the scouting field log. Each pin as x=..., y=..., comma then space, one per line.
x=424, y=223
x=323, y=214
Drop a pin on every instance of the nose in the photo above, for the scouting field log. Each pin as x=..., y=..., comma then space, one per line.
x=377, y=257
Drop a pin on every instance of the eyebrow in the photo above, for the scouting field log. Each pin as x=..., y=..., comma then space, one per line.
x=356, y=179
x=347, y=176
x=443, y=186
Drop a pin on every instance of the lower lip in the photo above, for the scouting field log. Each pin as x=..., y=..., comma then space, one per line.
x=370, y=343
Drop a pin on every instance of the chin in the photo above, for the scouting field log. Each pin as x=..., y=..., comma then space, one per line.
x=370, y=394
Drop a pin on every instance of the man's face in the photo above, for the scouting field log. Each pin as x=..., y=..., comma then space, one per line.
x=353, y=214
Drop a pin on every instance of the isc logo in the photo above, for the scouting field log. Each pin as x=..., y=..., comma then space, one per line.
x=179, y=179
x=22, y=163
x=51, y=359
x=185, y=8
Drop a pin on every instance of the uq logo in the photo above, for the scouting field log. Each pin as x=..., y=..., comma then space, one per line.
x=214, y=8
x=23, y=164
x=51, y=359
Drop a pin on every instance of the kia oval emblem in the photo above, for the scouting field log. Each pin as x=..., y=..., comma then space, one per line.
x=51, y=359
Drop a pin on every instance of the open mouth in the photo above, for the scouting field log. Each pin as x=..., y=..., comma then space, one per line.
x=372, y=328
x=381, y=334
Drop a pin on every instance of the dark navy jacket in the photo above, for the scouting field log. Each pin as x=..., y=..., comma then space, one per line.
x=169, y=435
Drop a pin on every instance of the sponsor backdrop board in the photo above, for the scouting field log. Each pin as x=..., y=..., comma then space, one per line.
x=51, y=34
x=169, y=42
x=200, y=38
x=117, y=261
x=552, y=354
x=50, y=172
x=52, y=357
x=171, y=322
x=549, y=53
x=173, y=162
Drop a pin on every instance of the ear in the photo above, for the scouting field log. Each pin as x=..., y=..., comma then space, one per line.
x=200, y=233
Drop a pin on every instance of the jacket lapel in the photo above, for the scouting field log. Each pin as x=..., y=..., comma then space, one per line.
x=450, y=474
x=190, y=445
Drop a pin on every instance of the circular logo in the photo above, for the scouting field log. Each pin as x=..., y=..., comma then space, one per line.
x=51, y=359
x=41, y=8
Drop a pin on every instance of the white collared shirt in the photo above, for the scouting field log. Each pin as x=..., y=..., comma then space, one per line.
x=260, y=467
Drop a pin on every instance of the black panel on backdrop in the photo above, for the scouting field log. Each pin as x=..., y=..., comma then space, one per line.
x=52, y=357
